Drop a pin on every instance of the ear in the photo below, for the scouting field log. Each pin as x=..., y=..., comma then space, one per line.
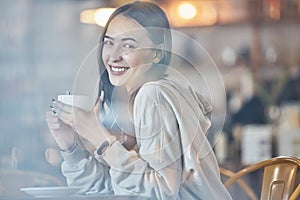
x=159, y=53
x=156, y=60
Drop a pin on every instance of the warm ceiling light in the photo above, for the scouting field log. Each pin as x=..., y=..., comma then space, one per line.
x=187, y=10
x=102, y=15
x=209, y=15
x=192, y=13
x=87, y=16
x=274, y=11
x=96, y=16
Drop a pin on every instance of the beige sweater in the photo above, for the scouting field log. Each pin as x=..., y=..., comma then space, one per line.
x=174, y=158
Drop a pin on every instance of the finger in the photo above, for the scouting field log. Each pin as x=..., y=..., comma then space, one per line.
x=98, y=106
x=49, y=114
x=99, y=102
x=66, y=117
x=101, y=95
x=53, y=122
x=62, y=107
x=51, y=117
x=54, y=126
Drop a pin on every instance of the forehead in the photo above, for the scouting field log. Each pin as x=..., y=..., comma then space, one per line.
x=124, y=26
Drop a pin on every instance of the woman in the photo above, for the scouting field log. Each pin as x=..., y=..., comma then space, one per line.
x=159, y=149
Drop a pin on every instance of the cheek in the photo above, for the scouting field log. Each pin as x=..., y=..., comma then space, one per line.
x=137, y=59
x=147, y=56
x=104, y=56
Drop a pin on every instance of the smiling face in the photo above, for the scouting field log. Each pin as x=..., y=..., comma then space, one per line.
x=127, y=53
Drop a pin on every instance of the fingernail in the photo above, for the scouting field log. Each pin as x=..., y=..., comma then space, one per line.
x=101, y=95
x=51, y=107
x=53, y=100
x=53, y=112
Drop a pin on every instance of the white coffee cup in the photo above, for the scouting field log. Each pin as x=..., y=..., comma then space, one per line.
x=85, y=103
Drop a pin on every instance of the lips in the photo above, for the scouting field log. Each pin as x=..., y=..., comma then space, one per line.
x=118, y=70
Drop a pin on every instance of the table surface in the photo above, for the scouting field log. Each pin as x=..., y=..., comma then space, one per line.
x=81, y=197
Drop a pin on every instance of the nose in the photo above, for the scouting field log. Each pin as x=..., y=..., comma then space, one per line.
x=116, y=54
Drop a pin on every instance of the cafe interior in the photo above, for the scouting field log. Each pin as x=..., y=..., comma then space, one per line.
x=247, y=52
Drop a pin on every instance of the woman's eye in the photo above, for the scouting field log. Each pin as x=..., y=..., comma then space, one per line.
x=130, y=46
x=107, y=42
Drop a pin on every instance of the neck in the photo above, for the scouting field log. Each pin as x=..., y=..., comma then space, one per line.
x=151, y=75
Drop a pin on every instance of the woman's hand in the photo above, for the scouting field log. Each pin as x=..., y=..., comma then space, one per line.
x=86, y=124
x=63, y=134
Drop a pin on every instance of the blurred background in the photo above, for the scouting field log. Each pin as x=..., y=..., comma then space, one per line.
x=254, y=43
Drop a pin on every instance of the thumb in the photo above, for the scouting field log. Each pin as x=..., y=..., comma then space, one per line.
x=99, y=102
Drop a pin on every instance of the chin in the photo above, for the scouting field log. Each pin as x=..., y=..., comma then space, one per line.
x=116, y=83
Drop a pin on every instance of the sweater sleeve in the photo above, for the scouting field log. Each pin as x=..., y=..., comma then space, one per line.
x=155, y=170
x=83, y=170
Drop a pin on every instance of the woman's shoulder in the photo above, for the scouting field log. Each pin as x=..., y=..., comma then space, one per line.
x=172, y=91
x=154, y=89
x=148, y=91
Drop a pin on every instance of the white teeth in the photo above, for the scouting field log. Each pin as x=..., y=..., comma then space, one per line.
x=119, y=69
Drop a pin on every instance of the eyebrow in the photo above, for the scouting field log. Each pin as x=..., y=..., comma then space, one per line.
x=108, y=37
x=123, y=39
x=130, y=39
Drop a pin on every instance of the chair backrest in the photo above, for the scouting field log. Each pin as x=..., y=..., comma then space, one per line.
x=226, y=174
x=295, y=195
x=278, y=179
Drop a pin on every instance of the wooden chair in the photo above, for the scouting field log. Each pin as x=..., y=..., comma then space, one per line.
x=226, y=174
x=278, y=181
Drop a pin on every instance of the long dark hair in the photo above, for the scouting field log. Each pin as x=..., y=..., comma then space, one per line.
x=151, y=17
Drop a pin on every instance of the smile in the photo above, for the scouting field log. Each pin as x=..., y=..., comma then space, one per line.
x=118, y=70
